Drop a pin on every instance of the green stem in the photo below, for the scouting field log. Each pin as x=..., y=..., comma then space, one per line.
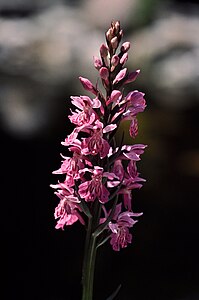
x=89, y=264
x=87, y=241
x=90, y=253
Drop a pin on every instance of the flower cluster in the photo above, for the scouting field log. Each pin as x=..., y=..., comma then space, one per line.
x=100, y=177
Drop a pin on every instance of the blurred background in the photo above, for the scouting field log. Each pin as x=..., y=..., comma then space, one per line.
x=44, y=46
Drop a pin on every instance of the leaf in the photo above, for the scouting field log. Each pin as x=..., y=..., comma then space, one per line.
x=85, y=208
x=102, y=226
x=103, y=241
x=114, y=294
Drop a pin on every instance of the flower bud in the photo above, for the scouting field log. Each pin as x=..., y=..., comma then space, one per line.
x=120, y=76
x=104, y=73
x=132, y=76
x=116, y=27
x=115, y=60
x=120, y=34
x=87, y=85
x=125, y=47
x=103, y=51
x=114, y=42
x=109, y=34
x=115, y=96
x=97, y=62
x=124, y=58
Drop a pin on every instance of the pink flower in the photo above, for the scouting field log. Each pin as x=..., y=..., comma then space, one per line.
x=67, y=209
x=126, y=192
x=118, y=169
x=95, y=188
x=65, y=212
x=120, y=236
x=71, y=138
x=132, y=175
x=85, y=103
x=90, y=190
x=71, y=166
x=63, y=188
x=129, y=177
x=96, y=143
x=133, y=152
x=86, y=115
x=135, y=103
x=131, y=181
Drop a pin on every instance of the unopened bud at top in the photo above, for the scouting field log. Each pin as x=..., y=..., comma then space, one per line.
x=113, y=31
x=116, y=27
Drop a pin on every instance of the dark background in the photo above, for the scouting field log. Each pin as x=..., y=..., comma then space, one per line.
x=42, y=263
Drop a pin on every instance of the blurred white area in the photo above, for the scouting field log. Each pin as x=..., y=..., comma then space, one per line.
x=101, y=12
x=170, y=47
x=50, y=48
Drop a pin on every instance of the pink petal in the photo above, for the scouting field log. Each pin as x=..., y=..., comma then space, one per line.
x=115, y=96
x=77, y=102
x=133, y=130
x=110, y=175
x=114, y=183
x=105, y=149
x=96, y=103
x=104, y=195
x=71, y=138
x=109, y=128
